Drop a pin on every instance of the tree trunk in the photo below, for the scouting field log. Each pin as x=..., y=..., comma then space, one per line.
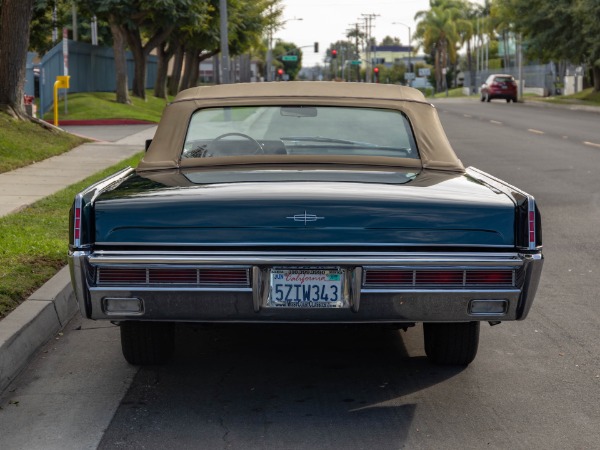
x=14, y=41
x=194, y=70
x=177, y=68
x=140, y=60
x=140, y=55
x=122, y=88
x=185, y=79
x=160, y=87
x=472, y=87
x=438, y=70
x=596, y=74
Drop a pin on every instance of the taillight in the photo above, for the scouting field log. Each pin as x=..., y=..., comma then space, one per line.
x=174, y=275
x=439, y=277
x=532, y=243
x=489, y=277
x=77, y=224
x=386, y=277
x=77, y=221
x=424, y=278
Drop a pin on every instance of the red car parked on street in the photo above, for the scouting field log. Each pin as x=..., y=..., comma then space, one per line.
x=499, y=86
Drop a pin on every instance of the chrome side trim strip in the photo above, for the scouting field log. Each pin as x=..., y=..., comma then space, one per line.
x=294, y=244
x=457, y=260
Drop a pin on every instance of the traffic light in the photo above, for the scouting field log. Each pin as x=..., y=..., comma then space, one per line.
x=316, y=47
x=333, y=54
x=376, y=74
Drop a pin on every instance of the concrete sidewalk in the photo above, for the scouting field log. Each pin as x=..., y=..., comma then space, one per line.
x=50, y=308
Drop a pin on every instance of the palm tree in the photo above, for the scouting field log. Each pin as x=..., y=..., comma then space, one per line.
x=437, y=34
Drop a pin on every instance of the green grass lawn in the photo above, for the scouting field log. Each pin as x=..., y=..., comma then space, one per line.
x=34, y=242
x=585, y=97
x=455, y=92
x=102, y=105
x=23, y=143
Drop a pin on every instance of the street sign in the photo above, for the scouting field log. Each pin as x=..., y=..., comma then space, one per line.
x=409, y=75
x=355, y=62
x=289, y=58
x=424, y=72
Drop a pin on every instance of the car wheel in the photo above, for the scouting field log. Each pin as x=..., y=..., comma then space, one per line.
x=451, y=343
x=508, y=100
x=514, y=99
x=145, y=343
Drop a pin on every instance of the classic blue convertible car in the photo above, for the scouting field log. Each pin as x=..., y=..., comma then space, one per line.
x=304, y=202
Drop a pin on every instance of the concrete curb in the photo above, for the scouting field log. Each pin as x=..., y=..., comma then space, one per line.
x=33, y=323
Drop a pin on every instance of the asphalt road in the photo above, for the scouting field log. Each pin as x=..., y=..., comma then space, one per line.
x=534, y=384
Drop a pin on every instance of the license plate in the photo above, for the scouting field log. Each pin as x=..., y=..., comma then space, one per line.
x=306, y=288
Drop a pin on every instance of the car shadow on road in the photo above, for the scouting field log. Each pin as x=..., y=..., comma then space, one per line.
x=280, y=386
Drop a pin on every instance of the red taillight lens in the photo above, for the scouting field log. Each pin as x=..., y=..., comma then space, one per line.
x=423, y=278
x=183, y=275
x=174, y=276
x=223, y=276
x=532, y=228
x=389, y=277
x=439, y=277
x=77, y=224
x=490, y=277
x=121, y=276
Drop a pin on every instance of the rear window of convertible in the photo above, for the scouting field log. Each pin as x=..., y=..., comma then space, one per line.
x=298, y=130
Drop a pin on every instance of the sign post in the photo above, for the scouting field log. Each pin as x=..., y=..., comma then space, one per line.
x=65, y=51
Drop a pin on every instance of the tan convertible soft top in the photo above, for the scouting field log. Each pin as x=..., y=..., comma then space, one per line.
x=434, y=149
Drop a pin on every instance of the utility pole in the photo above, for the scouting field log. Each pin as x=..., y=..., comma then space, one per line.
x=224, y=42
x=368, y=27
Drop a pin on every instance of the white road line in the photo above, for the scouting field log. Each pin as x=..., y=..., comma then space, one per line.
x=591, y=144
x=496, y=122
x=468, y=116
x=535, y=131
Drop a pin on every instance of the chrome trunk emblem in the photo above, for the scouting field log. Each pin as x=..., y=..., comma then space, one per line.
x=305, y=218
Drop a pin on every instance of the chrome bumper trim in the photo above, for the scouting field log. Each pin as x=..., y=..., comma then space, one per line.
x=235, y=304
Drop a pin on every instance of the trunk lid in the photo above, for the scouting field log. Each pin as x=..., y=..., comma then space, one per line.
x=304, y=208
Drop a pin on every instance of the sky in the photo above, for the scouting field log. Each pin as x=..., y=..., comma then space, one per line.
x=327, y=21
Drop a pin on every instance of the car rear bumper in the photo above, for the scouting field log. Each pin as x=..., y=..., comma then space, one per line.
x=246, y=300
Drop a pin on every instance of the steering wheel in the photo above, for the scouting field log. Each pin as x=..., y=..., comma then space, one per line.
x=212, y=148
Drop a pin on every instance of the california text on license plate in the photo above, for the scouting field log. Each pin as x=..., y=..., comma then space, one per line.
x=306, y=288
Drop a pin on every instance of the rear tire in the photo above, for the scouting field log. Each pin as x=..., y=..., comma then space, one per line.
x=451, y=343
x=146, y=343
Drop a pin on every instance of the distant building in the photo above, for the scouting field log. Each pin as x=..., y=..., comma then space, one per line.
x=389, y=55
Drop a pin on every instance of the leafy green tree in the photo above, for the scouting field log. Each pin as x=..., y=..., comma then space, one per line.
x=143, y=24
x=558, y=30
x=15, y=19
x=389, y=40
x=291, y=68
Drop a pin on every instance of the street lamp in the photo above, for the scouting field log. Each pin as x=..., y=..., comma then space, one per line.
x=268, y=72
x=409, y=47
